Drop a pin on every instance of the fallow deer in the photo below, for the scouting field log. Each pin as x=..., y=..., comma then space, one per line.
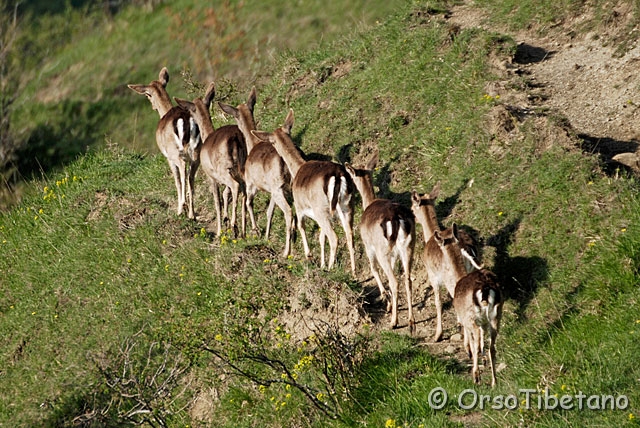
x=321, y=189
x=477, y=300
x=438, y=270
x=478, y=304
x=177, y=136
x=223, y=155
x=264, y=169
x=388, y=232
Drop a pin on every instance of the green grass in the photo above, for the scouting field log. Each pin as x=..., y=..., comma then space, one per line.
x=95, y=259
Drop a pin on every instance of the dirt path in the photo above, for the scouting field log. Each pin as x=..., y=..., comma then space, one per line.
x=578, y=76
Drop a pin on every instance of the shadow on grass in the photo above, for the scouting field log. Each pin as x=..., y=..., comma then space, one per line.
x=72, y=127
x=606, y=149
x=396, y=365
x=80, y=411
x=520, y=277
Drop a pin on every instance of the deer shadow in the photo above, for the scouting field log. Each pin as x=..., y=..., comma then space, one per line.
x=529, y=54
x=519, y=276
x=606, y=149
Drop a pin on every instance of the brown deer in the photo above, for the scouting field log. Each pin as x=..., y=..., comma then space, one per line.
x=264, y=170
x=477, y=300
x=223, y=155
x=388, y=232
x=439, y=271
x=177, y=136
x=320, y=189
x=478, y=303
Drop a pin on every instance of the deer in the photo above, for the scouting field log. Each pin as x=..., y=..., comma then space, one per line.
x=321, y=189
x=178, y=138
x=223, y=155
x=438, y=270
x=477, y=299
x=264, y=170
x=388, y=232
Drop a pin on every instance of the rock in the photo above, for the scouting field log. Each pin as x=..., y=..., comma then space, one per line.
x=456, y=337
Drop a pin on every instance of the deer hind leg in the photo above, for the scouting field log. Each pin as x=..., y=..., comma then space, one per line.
x=406, y=259
x=387, y=266
x=436, y=297
x=216, y=202
x=492, y=355
x=494, y=326
x=251, y=194
x=178, y=178
x=346, y=219
x=193, y=168
x=327, y=231
x=279, y=199
x=225, y=205
x=270, y=208
x=371, y=255
x=475, y=351
x=305, y=243
x=235, y=192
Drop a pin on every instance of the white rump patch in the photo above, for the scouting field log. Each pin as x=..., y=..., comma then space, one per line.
x=389, y=227
x=180, y=135
x=194, y=137
x=331, y=188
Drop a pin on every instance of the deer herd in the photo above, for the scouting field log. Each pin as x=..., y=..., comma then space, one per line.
x=245, y=160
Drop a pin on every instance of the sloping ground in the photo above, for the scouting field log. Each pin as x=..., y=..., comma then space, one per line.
x=583, y=77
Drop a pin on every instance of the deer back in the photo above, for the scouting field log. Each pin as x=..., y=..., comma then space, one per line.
x=322, y=185
x=478, y=298
x=224, y=151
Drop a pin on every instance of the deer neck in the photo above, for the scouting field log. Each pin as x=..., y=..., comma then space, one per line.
x=289, y=153
x=203, y=119
x=246, y=123
x=163, y=103
x=367, y=193
x=456, y=267
x=430, y=223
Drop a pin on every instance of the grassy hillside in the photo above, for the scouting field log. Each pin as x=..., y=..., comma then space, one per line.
x=116, y=311
x=80, y=60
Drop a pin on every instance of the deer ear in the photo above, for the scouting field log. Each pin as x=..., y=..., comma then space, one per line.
x=209, y=95
x=141, y=89
x=415, y=197
x=163, y=77
x=185, y=103
x=230, y=110
x=350, y=170
x=435, y=192
x=371, y=165
x=262, y=135
x=454, y=228
x=438, y=237
x=251, y=101
x=288, y=122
